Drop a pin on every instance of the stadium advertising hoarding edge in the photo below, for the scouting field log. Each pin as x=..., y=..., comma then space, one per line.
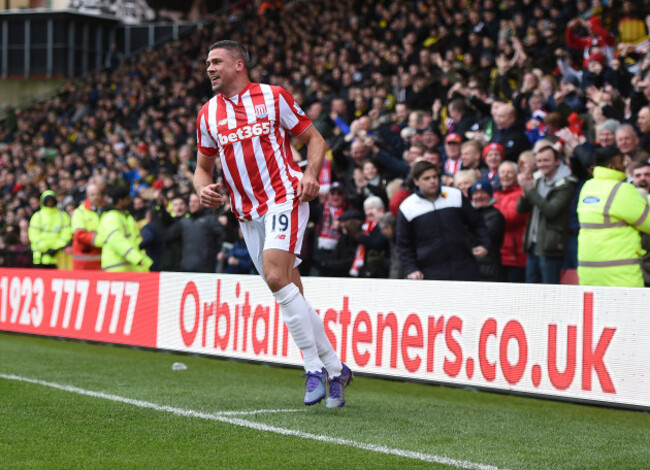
x=569, y=342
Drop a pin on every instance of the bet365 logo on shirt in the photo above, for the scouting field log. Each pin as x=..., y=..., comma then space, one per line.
x=245, y=132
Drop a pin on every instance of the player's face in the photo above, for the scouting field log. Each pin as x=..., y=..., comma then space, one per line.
x=222, y=67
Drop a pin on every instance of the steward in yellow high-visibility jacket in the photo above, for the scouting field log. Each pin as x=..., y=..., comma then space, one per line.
x=119, y=236
x=49, y=232
x=85, y=220
x=611, y=214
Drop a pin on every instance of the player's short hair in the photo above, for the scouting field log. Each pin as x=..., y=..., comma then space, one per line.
x=234, y=47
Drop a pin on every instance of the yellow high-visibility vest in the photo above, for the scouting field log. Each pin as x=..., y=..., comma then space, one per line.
x=119, y=236
x=611, y=214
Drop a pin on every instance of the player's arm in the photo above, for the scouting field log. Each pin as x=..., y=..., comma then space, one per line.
x=204, y=185
x=316, y=147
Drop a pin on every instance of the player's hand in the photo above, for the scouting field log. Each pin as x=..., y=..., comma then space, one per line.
x=416, y=275
x=211, y=196
x=307, y=188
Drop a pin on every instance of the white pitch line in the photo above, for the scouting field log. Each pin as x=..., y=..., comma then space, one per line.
x=140, y=403
x=222, y=417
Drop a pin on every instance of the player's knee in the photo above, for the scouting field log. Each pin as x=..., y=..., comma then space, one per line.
x=275, y=280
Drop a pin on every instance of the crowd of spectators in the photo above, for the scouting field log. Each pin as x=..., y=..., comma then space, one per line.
x=472, y=87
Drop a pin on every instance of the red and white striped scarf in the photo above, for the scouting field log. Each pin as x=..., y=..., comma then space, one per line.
x=327, y=237
x=360, y=255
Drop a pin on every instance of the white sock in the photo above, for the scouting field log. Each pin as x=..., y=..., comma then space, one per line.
x=295, y=312
x=325, y=350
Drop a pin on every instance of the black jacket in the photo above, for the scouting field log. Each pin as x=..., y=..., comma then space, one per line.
x=490, y=265
x=514, y=141
x=339, y=261
x=201, y=235
x=437, y=237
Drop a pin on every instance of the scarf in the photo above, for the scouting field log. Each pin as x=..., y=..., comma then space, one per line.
x=360, y=255
x=327, y=237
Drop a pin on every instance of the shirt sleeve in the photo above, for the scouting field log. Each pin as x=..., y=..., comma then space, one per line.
x=205, y=140
x=292, y=117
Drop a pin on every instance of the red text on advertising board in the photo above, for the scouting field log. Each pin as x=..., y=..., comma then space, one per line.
x=227, y=323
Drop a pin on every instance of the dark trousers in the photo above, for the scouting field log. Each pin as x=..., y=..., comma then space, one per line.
x=543, y=269
x=514, y=274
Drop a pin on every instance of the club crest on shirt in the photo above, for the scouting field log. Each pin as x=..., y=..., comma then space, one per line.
x=298, y=109
x=260, y=111
x=223, y=122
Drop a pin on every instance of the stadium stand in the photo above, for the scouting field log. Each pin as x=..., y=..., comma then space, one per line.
x=385, y=83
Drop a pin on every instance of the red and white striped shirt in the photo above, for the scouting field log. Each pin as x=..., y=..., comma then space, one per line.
x=249, y=133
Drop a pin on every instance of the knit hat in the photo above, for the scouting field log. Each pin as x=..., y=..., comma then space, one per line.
x=492, y=147
x=598, y=57
x=481, y=185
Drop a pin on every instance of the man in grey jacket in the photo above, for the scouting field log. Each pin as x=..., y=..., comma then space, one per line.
x=548, y=198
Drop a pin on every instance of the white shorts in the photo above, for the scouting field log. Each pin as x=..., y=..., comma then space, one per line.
x=281, y=228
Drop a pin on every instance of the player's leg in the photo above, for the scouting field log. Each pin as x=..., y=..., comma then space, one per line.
x=326, y=352
x=340, y=375
x=278, y=265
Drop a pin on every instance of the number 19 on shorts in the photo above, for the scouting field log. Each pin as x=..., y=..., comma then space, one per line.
x=279, y=223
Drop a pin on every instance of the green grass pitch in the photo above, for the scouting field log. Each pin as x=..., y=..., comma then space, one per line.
x=74, y=405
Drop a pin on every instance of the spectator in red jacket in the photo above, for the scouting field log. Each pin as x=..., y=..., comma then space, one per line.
x=513, y=257
x=597, y=35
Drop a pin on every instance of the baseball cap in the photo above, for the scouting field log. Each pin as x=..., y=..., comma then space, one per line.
x=481, y=185
x=492, y=147
x=336, y=186
x=453, y=138
x=351, y=214
x=573, y=80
